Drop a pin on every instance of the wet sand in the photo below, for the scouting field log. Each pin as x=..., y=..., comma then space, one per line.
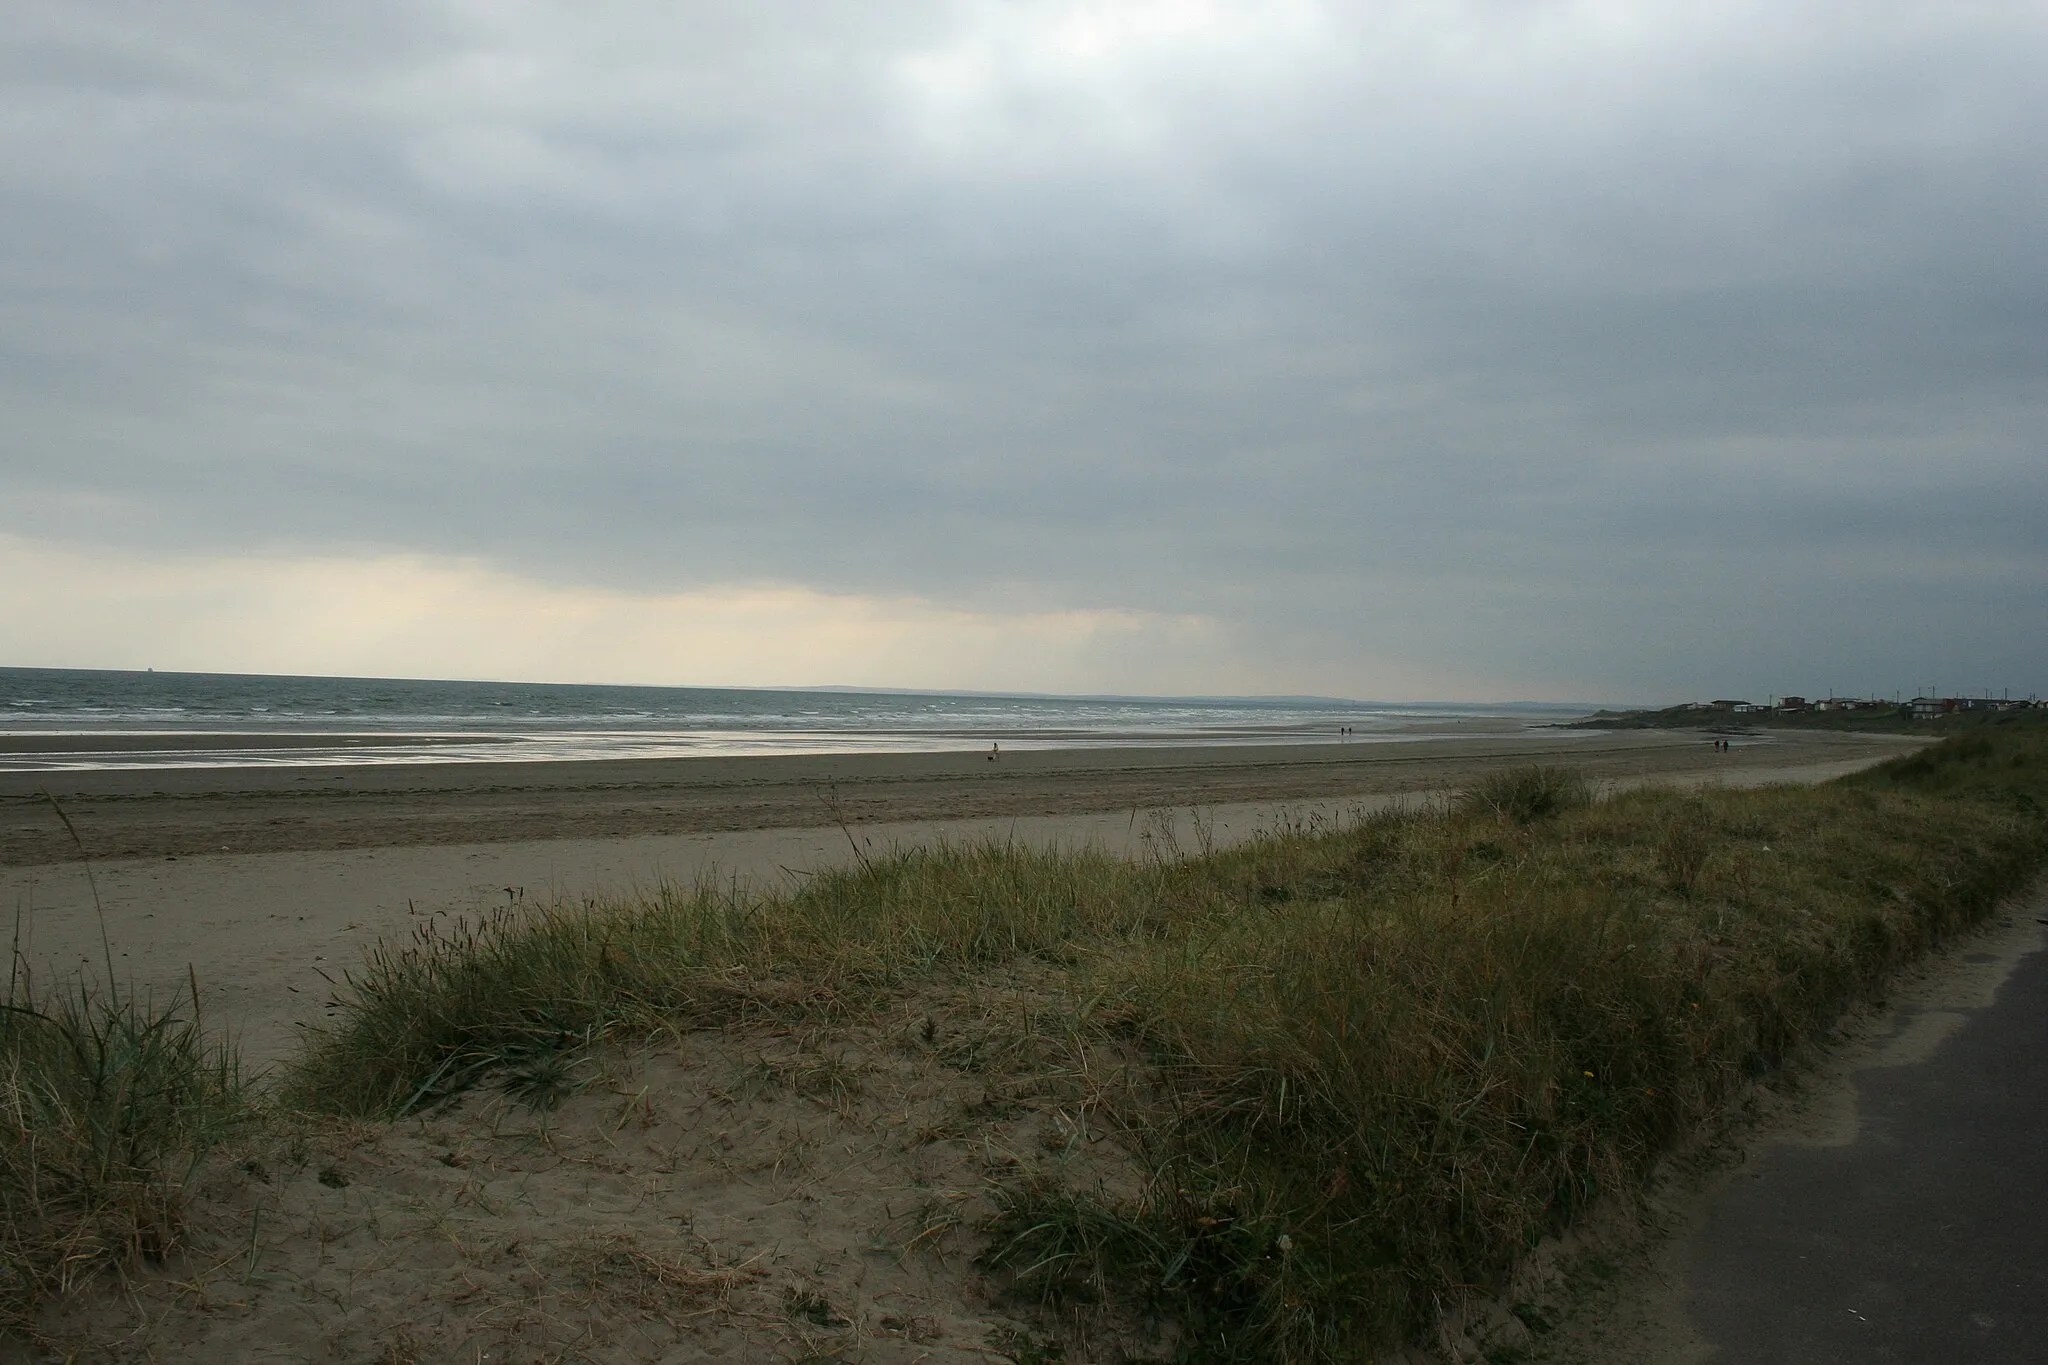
x=271, y=882
x=181, y=812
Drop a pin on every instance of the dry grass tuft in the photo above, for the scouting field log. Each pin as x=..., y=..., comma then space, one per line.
x=106, y=1108
x=498, y=1001
x=1524, y=795
x=615, y=1267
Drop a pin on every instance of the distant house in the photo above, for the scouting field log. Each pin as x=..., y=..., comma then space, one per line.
x=1748, y=707
x=1729, y=705
x=1791, y=703
x=1932, y=708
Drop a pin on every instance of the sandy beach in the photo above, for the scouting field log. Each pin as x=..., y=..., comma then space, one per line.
x=269, y=883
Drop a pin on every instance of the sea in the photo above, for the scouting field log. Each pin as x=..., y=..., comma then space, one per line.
x=57, y=719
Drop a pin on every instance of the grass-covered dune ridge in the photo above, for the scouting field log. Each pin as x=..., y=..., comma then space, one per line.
x=1419, y=1046
x=1391, y=1057
x=516, y=993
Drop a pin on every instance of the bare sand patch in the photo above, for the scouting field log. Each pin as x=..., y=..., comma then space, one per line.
x=760, y=1192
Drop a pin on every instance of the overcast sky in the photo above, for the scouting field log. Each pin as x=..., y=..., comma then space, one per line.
x=1503, y=349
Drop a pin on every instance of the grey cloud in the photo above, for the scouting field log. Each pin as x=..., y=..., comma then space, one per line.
x=1522, y=344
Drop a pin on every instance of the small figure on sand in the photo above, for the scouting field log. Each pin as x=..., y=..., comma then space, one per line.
x=995, y=751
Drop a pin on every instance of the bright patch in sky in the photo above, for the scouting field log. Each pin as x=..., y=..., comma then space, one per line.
x=410, y=615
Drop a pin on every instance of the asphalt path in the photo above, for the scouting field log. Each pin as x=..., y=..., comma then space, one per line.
x=1917, y=1232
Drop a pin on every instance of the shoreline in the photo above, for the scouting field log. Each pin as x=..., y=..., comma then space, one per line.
x=53, y=751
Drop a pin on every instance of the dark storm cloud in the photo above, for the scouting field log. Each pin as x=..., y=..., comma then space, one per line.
x=1569, y=347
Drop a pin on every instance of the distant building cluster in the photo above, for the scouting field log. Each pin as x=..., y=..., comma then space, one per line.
x=1931, y=708
x=1921, y=708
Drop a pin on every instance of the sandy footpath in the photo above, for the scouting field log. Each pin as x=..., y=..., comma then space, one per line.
x=265, y=930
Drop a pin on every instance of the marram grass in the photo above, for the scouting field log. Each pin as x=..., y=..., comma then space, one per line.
x=107, y=1106
x=1386, y=1059
x=429, y=1018
x=1397, y=1056
x=1391, y=1057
